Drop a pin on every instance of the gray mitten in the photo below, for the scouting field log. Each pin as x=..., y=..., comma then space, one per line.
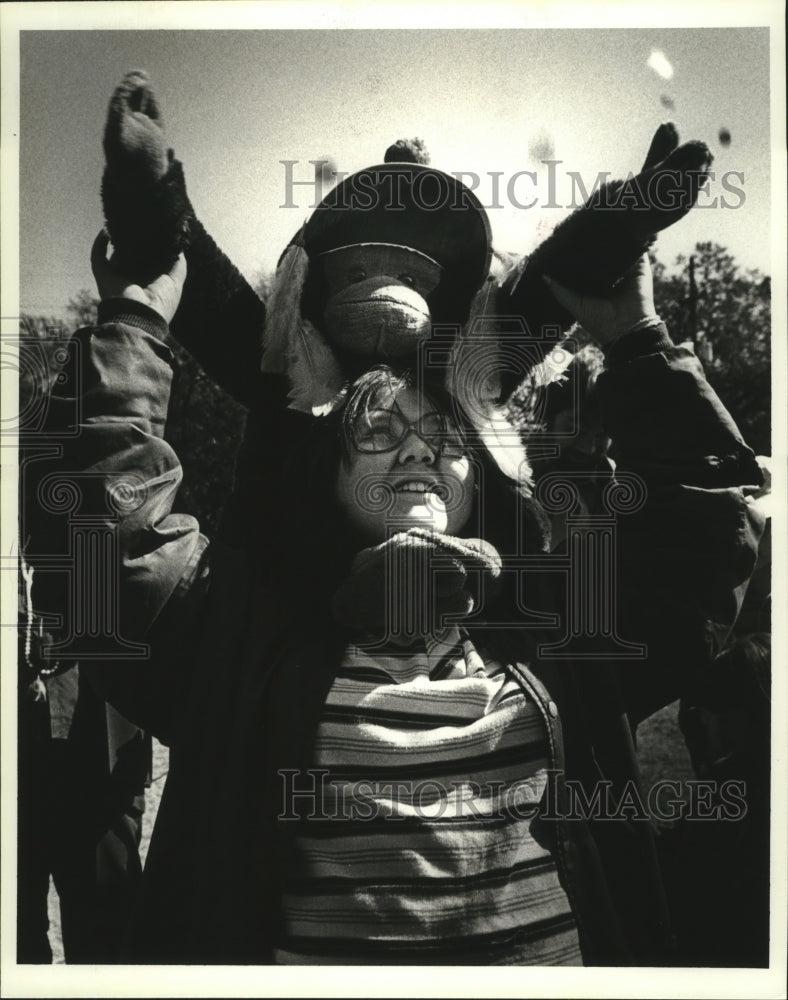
x=148, y=214
x=405, y=587
x=591, y=249
x=150, y=221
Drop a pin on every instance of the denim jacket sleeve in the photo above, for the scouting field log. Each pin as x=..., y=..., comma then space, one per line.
x=685, y=555
x=122, y=477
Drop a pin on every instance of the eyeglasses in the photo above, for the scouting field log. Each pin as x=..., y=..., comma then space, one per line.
x=385, y=430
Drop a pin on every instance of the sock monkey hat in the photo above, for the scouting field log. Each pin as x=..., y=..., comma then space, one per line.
x=390, y=251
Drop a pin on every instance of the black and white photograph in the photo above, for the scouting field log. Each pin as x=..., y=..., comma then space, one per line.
x=393, y=435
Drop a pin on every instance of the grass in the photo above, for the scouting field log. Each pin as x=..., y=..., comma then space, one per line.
x=661, y=750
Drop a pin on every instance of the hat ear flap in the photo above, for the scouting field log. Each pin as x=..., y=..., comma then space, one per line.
x=283, y=309
x=317, y=385
x=473, y=378
x=294, y=346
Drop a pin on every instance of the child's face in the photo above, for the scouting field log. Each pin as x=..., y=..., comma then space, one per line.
x=408, y=468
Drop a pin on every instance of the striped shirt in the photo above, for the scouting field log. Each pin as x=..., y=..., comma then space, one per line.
x=430, y=768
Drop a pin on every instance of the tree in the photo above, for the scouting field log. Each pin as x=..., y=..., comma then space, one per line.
x=82, y=308
x=733, y=316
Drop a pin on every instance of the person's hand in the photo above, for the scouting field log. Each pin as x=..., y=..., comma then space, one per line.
x=162, y=294
x=405, y=587
x=606, y=319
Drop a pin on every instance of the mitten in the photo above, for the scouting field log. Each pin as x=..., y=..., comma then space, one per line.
x=148, y=214
x=406, y=587
x=591, y=249
x=150, y=221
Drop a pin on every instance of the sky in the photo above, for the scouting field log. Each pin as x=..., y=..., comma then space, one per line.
x=491, y=103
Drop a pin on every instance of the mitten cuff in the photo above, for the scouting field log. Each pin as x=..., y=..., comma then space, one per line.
x=650, y=336
x=137, y=314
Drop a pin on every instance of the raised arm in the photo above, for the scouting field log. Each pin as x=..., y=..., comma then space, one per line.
x=220, y=319
x=683, y=558
x=101, y=509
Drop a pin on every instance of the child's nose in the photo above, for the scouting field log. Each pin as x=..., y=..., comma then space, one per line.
x=415, y=449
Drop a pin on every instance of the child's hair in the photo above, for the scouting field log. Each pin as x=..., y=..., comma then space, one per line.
x=365, y=392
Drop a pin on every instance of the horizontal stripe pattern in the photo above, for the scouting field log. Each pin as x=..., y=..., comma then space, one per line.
x=435, y=764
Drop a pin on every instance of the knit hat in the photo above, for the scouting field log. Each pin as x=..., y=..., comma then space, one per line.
x=398, y=215
x=410, y=205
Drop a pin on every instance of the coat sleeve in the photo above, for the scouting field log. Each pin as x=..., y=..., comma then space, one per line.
x=220, y=319
x=685, y=555
x=114, y=562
